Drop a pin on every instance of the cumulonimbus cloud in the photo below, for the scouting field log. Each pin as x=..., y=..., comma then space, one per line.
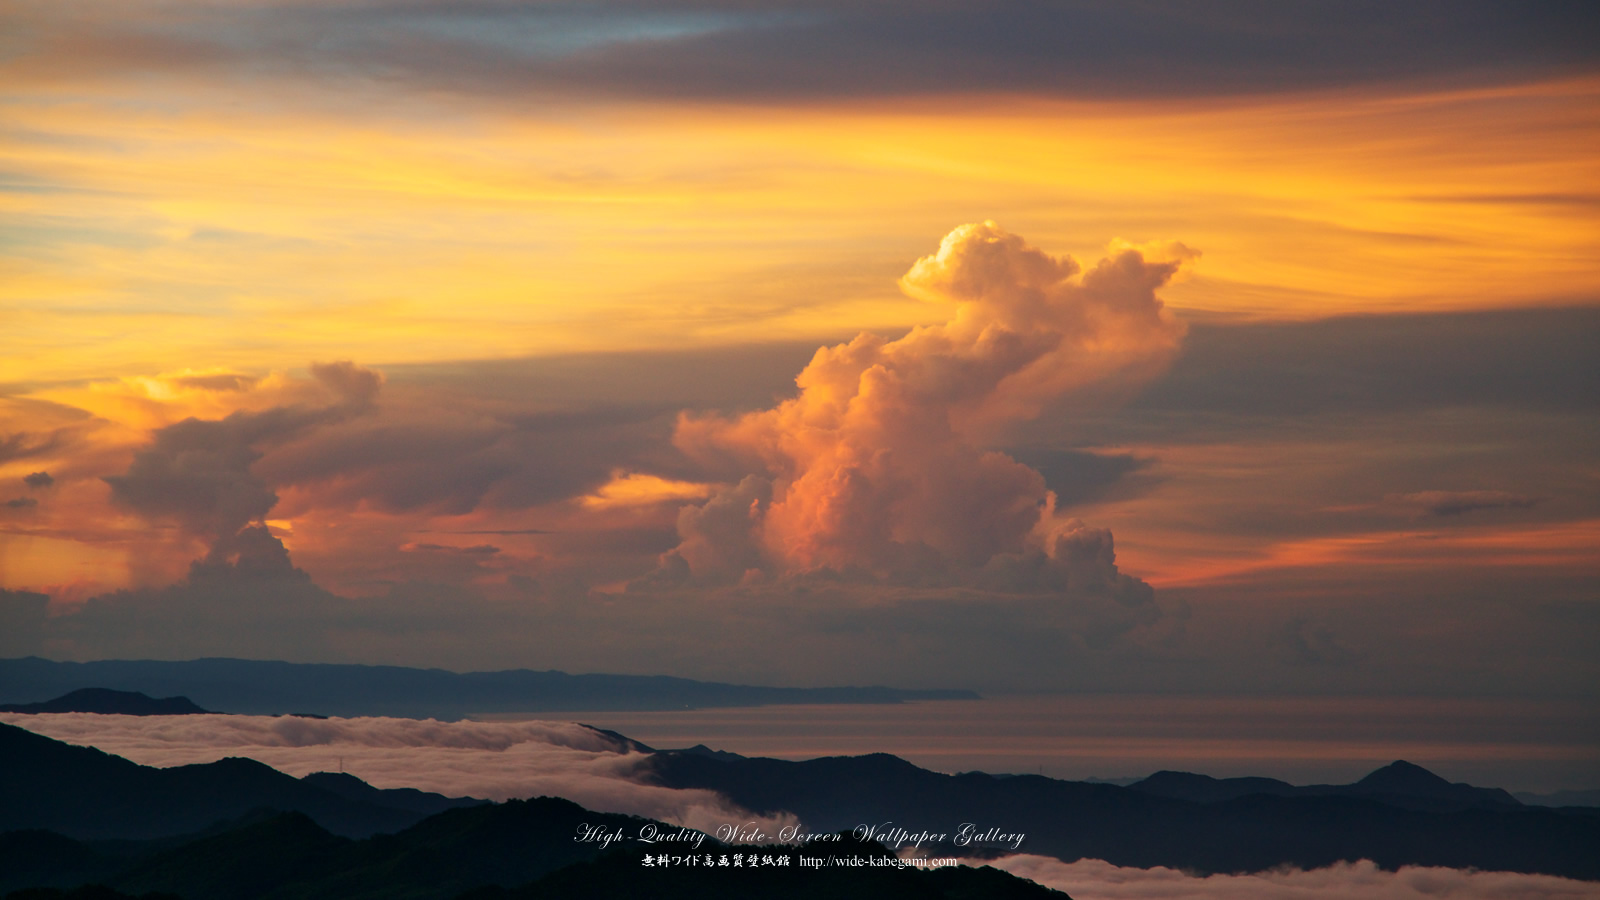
x=197, y=472
x=490, y=760
x=879, y=465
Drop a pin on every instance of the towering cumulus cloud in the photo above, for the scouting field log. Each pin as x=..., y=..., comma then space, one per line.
x=196, y=473
x=878, y=467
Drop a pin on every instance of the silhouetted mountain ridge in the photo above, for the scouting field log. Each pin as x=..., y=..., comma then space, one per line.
x=703, y=750
x=265, y=854
x=85, y=793
x=518, y=849
x=264, y=687
x=1587, y=799
x=847, y=869
x=1399, y=784
x=350, y=787
x=1205, y=789
x=1221, y=831
x=109, y=702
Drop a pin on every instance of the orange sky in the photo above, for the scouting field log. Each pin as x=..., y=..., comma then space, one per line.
x=192, y=220
x=193, y=233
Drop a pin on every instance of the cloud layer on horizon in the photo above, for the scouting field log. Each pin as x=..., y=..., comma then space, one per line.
x=504, y=760
x=488, y=760
x=1093, y=879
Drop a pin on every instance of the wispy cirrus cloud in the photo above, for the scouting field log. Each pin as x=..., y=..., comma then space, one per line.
x=1459, y=503
x=721, y=51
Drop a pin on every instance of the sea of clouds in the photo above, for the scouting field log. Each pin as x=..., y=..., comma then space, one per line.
x=505, y=760
x=1093, y=879
x=490, y=760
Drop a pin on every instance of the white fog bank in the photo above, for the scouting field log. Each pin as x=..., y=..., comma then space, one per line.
x=490, y=760
x=1093, y=879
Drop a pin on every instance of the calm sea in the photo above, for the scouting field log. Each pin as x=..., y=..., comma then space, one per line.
x=1519, y=745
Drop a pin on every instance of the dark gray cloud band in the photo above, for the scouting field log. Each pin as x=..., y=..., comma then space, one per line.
x=747, y=52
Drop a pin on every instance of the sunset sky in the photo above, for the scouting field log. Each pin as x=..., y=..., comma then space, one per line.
x=1234, y=347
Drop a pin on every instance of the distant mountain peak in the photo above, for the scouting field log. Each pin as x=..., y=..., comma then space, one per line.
x=336, y=779
x=624, y=743
x=1205, y=789
x=106, y=701
x=1401, y=777
x=1402, y=774
x=703, y=750
x=1411, y=780
x=1170, y=776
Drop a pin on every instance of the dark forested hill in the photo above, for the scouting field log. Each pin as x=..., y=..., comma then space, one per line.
x=109, y=702
x=1441, y=825
x=519, y=850
x=82, y=792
